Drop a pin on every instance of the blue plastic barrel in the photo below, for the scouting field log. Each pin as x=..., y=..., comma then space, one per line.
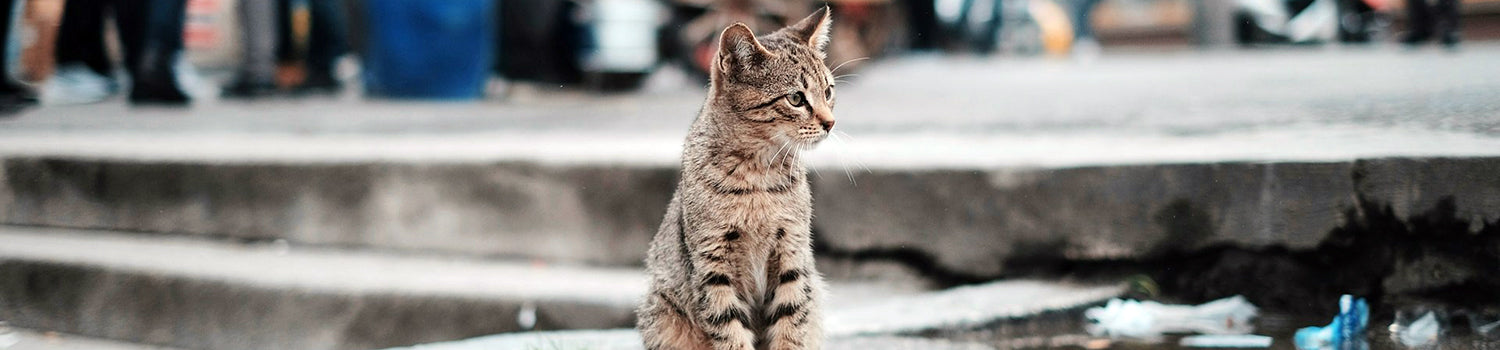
x=425, y=49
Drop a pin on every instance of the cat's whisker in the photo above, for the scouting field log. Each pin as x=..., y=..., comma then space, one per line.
x=841, y=65
x=844, y=159
x=815, y=172
x=790, y=147
x=839, y=153
x=857, y=162
x=785, y=146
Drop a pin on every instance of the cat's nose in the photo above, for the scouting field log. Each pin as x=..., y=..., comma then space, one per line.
x=827, y=125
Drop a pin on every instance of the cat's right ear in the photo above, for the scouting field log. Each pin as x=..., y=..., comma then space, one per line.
x=738, y=48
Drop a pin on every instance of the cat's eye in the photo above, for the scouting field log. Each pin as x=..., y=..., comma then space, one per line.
x=828, y=93
x=796, y=99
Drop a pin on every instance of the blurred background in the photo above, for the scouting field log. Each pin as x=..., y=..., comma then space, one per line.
x=487, y=174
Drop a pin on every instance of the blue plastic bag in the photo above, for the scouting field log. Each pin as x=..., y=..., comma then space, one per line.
x=1346, y=332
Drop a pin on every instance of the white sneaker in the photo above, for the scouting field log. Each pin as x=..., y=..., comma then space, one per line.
x=1086, y=50
x=75, y=84
x=191, y=82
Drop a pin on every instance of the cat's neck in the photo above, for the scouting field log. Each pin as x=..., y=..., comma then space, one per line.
x=716, y=154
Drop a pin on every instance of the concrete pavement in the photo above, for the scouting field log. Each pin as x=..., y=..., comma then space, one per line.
x=196, y=293
x=947, y=170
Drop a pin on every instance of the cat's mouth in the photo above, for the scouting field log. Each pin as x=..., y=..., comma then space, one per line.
x=809, y=137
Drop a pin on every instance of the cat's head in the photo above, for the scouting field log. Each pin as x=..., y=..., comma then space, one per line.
x=776, y=87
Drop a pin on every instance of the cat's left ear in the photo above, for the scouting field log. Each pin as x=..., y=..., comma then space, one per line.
x=813, y=30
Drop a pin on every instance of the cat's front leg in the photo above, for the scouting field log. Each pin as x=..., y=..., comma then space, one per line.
x=725, y=318
x=792, y=316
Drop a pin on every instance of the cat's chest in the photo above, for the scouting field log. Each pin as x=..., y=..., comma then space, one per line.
x=765, y=212
x=764, y=220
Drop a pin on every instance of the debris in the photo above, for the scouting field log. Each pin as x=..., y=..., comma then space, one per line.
x=1420, y=333
x=1485, y=327
x=1149, y=319
x=1345, y=332
x=526, y=317
x=1226, y=341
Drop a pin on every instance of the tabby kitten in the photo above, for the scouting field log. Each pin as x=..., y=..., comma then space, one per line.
x=732, y=266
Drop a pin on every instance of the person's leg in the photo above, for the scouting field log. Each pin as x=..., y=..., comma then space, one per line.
x=1446, y=26
x=957, y=33
x=1083, y=17
x=326, y=44
x=130, y=26
x=286, y=44
x=80, y=36
x=258, y=33
x=13, y=95
x=151, y=31
x=1419, y=22
x=84, y=72
x=988, y=38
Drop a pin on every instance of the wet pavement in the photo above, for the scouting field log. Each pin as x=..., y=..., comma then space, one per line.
x=1065, y=330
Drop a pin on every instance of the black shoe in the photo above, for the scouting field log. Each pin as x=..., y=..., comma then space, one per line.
x=155, y=94
x=1415, y=38
x=320, y=84
x=15, y=97
x=155, y=83
x=247, y=89
x=17, y=91
x=1450, y=39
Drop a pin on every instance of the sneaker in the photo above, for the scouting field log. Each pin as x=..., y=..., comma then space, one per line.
x=1086, y=49
x=77, y=84
x=190, y=82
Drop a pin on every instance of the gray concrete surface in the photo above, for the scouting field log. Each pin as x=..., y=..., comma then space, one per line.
x=888, y=323
x=1171, y=94
x=26, y=339
x=625, y=339
x=967, y=161
x=969, y=221
x=592, y=214
x=944, y=166
x=918, y=112
x=223, y=295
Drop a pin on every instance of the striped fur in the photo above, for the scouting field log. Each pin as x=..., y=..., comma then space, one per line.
x=732, y=266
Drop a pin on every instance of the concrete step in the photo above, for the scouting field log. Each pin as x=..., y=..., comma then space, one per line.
x=26, y=339
x=192, y=293
x=957, y=165
x=628, y=339
x=881, y=323
x=970, y=219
